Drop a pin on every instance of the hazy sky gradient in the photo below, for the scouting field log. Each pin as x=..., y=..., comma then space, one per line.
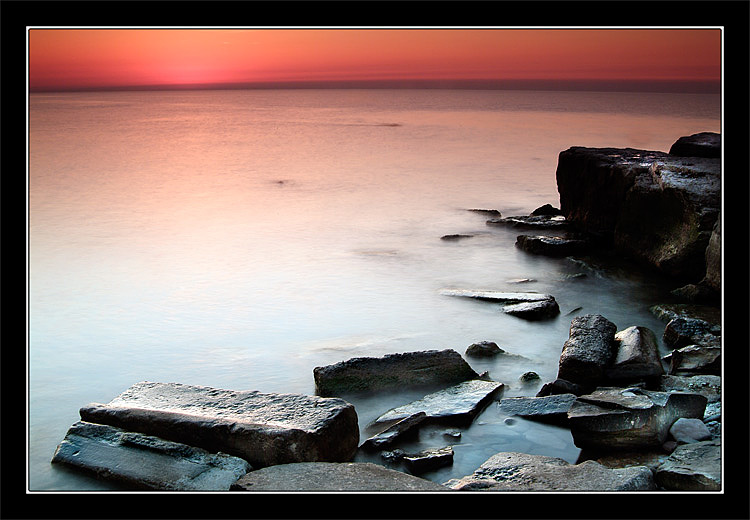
x=63, y=59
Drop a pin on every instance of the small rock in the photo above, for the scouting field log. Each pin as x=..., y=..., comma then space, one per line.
x=497, y=296
x=547, y=210
x=561, y=386
x=682, y=332
x=531, y=222
x=405, y=427
x=455, y=237
x=529, y=377
x=685, y=431
x=452, y=434
x=429, y=460
x=484, y=349
x=533, y=311
x=493, y=212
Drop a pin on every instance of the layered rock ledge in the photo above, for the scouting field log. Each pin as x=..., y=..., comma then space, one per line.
x=657, y=207
x=263, y=429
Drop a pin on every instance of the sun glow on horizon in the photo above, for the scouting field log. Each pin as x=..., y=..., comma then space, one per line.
x=90, y=58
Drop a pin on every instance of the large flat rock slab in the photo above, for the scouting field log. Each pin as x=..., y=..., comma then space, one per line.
x=392, y=372
x=326, y=476
x=264, y=429
x=458, y=404
x=553, y=408
x=497, y=296
x=139, y=461
x=509, y=471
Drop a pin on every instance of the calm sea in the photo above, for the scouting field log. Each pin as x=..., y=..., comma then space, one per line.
x=238, y=239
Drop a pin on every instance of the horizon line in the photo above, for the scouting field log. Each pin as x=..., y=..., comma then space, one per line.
x=692, y=86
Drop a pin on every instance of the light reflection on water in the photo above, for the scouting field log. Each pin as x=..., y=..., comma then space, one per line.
x=239, y=239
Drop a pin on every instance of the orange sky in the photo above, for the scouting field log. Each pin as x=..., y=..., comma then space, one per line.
x=65, y=58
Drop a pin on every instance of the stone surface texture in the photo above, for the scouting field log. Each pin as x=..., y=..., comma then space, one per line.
x=588, y=351
x=637, y=356
x=458, y=404
x=392, y=372
x=144, y=462
x=322, y=476
x=653, y=206
x=510, y=471
x=629, y=419
x=264, y=429
x=692, y=467
x=396, y=432
x=553, y=408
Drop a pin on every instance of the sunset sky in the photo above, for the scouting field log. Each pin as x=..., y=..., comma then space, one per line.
x=63, y=59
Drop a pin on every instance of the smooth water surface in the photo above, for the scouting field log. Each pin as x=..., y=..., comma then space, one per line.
x=238, y=239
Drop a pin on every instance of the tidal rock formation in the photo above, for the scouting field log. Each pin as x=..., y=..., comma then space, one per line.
x=497, y=296
x=406, y=427
x=531, y=222
x=326, y=476
x=551, y=245
x=484, y=349
x=551, y=409
x=392, y=372
x=703, y=144
x=144, y=462
x=510, y=471
x=263, y=429
x=653, y=206
x=534, y=311
x=428, y=460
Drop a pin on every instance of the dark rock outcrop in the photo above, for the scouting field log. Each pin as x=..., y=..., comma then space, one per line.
x=551, y=409
x=703, y=144
x=484, y=349
x=551, y=245
x=510, y=471
x=391, y=372
x=653, y=206
x=560, y=386
x=326, y=476
x=531, y=222
x=144, y=462
x=263, y=429
x=534, y=311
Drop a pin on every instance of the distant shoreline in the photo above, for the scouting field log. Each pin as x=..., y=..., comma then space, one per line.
x=658, y=86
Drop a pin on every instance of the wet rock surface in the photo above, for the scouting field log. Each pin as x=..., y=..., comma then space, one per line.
x=524, y=472
x=407, y=426
x=393, y=371
x=637, y=356
x=694, y=359
x=322, y=476
x=458, y=404
x=531, y=222
x=497, y=296
x=428, y=460
x=551, y=245
x=264, y=429
x=533, y=311
x=553, y=409
x=144, y=462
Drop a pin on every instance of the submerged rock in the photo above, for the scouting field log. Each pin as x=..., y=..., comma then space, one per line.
x=484, y=349
x=547, y=210
x=140, y=461
x=497, y=296
x=531, y=222
x=510, y=471
x=588, y=351
x=455, y=237
x=692, y=467
x=629, y=418
x=323, y=476
x=392, y=372
x=458, y=404
x=263, y=429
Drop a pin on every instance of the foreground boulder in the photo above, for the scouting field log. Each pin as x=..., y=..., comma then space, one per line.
x=322, y=476
x=458, y=404
x=653, y=206
x=139, y=461
x=692, y=467
x=263, y=429
x=392, y=372
x=522, y=472
x=588, y=351
x=629, y=418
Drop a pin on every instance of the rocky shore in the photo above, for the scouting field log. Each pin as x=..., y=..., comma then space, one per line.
x=643, y=422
